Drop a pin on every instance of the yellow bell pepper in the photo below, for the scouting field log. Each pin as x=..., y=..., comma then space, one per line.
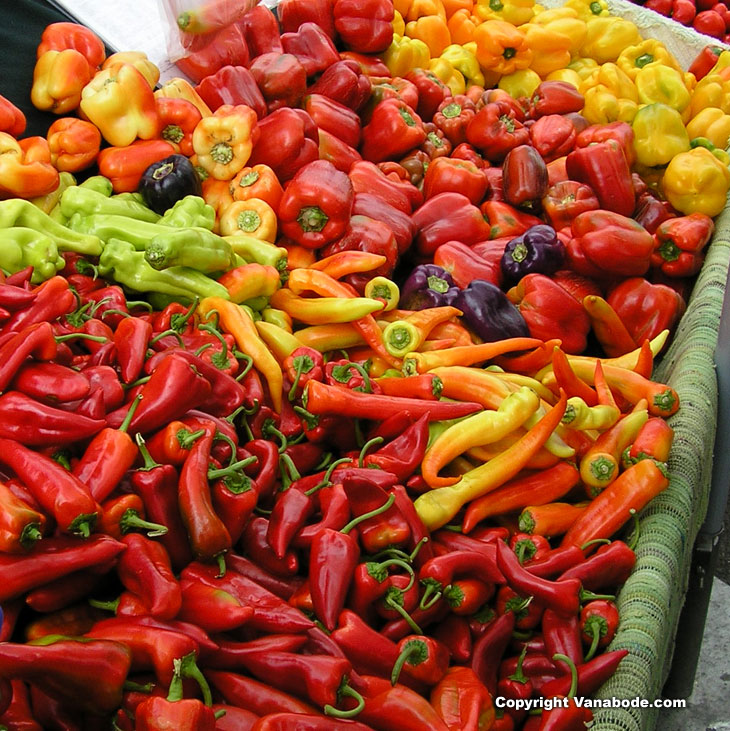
x=659, y=83
x=584, y=67
x=713, y=124
x=463, y=59
x=610, y=76
x=550, y=49
x=177, y=88
x=602, y=106
x=59, y=78
x=418, y=8
x=723, y=62
x=634, y=58
x=521, y=83
x=120, y=102
x=565, y=21
x=399, y=25
x=711, y=91
x=589, y=8
x=432, y=30
x=696, y=182
x=516, y=12
x=659, y=134
x=223, y=141
x=461, y=26
x=443, y=69
x=405, y=54
x=139, y=60
x=501, y=47
x=690, y=81
x=568, y=75
x=607, y=36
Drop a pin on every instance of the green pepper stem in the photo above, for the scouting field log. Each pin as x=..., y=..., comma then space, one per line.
x=174, y=333
x=327, y=479
x=366, y=447
x=289, y=471
x=249, y=364
x=589, y=596
x=519, y=676
x=595, y=639
x=179, y=321
x=110, y=606
x=189, y=669
x=80, y=336
x=558, y=657
x=130, y=413
x=221, y=437
x=594, y=542
x=393, y=604
x=139, y=687
x=221, y=561
x=416, y=649
x=149, y=463
x=234, y=467
x=365, y=516
x=346, y=690
x=301, y=361
x=132, y=520
x=637, y=529
x=30, y=534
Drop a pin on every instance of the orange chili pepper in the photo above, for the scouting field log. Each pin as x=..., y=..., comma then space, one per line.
x=531, y=362
x=348, y=262
x=551, y=519
x=171, y=445
x=566, y=379
x=607, y=326
x=462, y=383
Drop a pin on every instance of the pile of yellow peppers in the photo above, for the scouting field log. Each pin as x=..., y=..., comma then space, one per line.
x=681, y=125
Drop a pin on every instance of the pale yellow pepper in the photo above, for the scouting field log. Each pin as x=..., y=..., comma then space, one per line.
x=584, y=67
x=399, y=25
x=567, y=75
x=520, y=83
x=713, y=124
x=405, y=54
x=464, y=59
x=723, y=62
x=634, y=58
x=659, y=134
x=587, y=9
x=602, y=106
x=711, y=91
x=516, y=12
x=550, y=49
x=443, y=69
x=696, y=182
x=610, y=75
x=565, y=21
x=659, y=83
x=607, y=36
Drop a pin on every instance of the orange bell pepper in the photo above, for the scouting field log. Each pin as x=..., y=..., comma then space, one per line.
x=74, y=144
x=124, y=166
x=25, y=167
x=58, y=80
x=216, y=195
x=461, y=26
x=60, y=36
x=259, y=181
x=12, y=119
x=501, y=47
x=178, y=119
x=432, y=30
x=454, y=6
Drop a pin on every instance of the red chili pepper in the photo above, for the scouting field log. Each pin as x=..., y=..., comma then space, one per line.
x=562, y=635
x=214, y=610
x=489, y=648
x=51, y=382
x=609, y=567
x=598, y=622
x=426, y=659
x=654, y=441
x=455, y=633
x=20, y=524
x=528, y=613
x=335, y=513
x=53, y=299
x=125, y=513
x=528, y=546
x=255, y=545
x=591, y=675
x=34, y=340
x=557, y=561
x=132, y=337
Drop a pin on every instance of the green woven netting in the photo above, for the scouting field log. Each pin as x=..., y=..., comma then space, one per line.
x=651, y=600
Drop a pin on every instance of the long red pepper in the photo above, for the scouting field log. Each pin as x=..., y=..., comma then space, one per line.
x=214, y=610
x=489, y=648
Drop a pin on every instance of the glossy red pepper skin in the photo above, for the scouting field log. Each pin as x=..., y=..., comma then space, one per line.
x=232, y=85
x=292, y=13
x=214, y=610
x=12, y=119
x=704, y=61
x=188, y=714
x=333, y=117
x=495, y=130
x=256, y=546
x=680, y=244
x=345, y=82
x=620, y=132
x=209, y=52
x=368, y=179
x=564, y=201
x=447, y=174
x=431, y=91
x=489, y=648
x=553, y=136
x=312, y=46
x=453, y=116
x=334, y=508
x=603, y=166
x=281, y=78
x=131, y=338
x=608, y=567
x=364, y=27
x=393, y=131
x=524, y=177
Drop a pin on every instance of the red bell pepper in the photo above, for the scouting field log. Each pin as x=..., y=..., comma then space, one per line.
x=551, y=312
x=232, y=85
x=495, y=130
x=463, y=701
x=680, y=244
x=335, y=118
x=599, y=235
x=705, y=60
x=367, y=178
x=465, y=265
x=395, y=219
x=564, y=201
x=214, y=610
x=524, y=177
x=453, y=116
x=555, y=97
x=312, y=46
x=603, y=167
x=261, y=31
x=446, y=174
x=394, y=130
x=12, y=119
x=645, y=308
x=553, y=136
x=683, y=11
x=207, y=53
x=280, y=77
x=364, y=27
x=293, y=13
x=345, y=82
x=431, y=91
x=60, y=36
x=620, y=132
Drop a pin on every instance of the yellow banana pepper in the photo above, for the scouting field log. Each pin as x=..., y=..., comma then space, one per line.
x=567, y=75
x=713, y=124
x=634, y=58
x=659, y=83
x=696, y=182
x=461, y=26
x=550, y=49
x=607, y=36
x=602, y=106
x=418, y=8
x=520, y=84
x=616, y=81
x=516, y=12
x=464, y=60
x=659, y=134
x=399, y=25
x=584, y=67
x=443, y=69
x=589, y=8
x=711, y=91
x=501, y=47
x=405, y=54
x=432, y=30
x=565, y=21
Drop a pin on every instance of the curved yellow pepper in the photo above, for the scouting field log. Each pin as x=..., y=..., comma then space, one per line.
x=713, y=124
x=634, y=58
x=432, y=30
x=589, y=8
x=602, y=106
x=550, y=49
x=696, y=182
x=520, y=83
x=399, y=25
x=565, y=21
x=516, y=12
x=405, y=54
x=568, y=75
x=607, y=36
x=443, y=69
x=464, y=60
x=501, y=47
x=711, y=91
x=616, y=81
x=659, y=134
x=659, y=83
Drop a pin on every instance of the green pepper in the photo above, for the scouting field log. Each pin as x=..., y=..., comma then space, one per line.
x=191, y=210
x=98, y=183
x=256, y=251
x=20, y=212
x=120, y=261
x=87, y=201
x=21, y=247
x=190, y=247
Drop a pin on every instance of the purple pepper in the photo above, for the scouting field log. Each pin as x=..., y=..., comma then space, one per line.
x=427, y=286
x=489, y=313
x=537, y=251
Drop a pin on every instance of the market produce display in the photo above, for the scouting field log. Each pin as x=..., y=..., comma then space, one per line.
x=326, y=393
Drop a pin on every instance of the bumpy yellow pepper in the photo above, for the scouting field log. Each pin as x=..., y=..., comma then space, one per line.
x=520, y=84
x=696, y=182
x=723, y=62
x=399, y=25
x=659, y=83
x=516, y=12
x=550, y=49
x=584, y=67
x=616, y=81
x=659, y=134
x=139, y=60
x=443, y=69
x=713, y=124
x=501, y=47
x=634, y=58
x=405, y=54
x=711, y=91
x=607, y=37
x=602, y=106
x=120, y=102
x=418, y=8
x=589, y=8
x=565, y=21
x=568, y=75
x=432, y=30
x=463, y=59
